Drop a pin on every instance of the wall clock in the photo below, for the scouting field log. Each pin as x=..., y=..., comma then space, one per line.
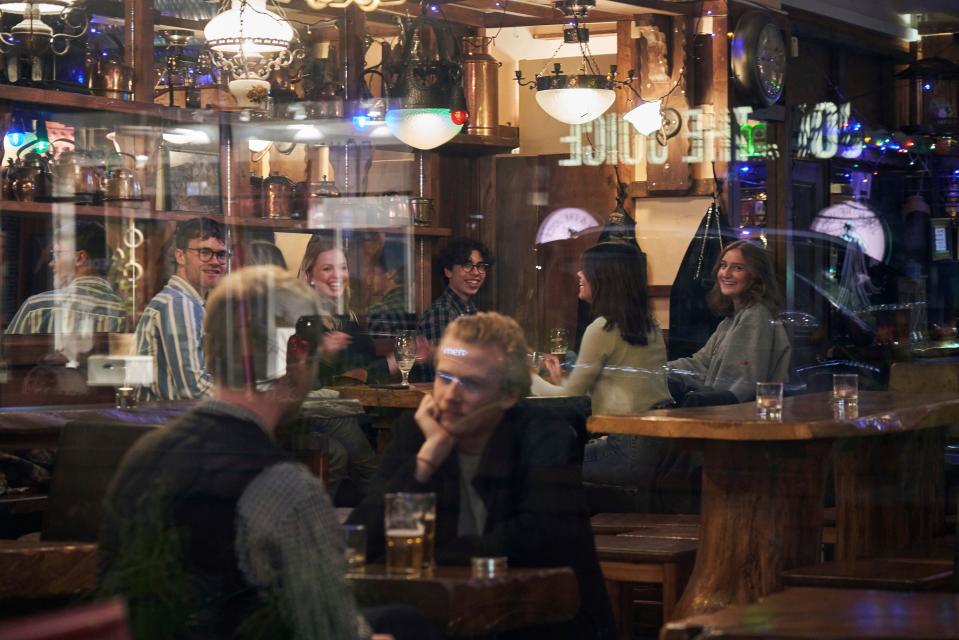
x=758, y=58
x=563, y=224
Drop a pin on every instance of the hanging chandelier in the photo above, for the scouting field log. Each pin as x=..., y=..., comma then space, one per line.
x=427, y=106
x=647, y=118
x=33, y=35
x=365, y=5
x=581, y=97
x=250, y=41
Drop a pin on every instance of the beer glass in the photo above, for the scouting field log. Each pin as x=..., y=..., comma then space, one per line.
x=845, y=390
x=355, y=547
x=426, y=505
x=404, y=348
x=558, y=342
x=405, y=533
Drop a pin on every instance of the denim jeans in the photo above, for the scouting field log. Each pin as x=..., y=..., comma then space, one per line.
x=350, y=453
x=664, y=474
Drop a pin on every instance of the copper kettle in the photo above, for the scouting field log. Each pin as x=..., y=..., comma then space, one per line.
x=310, y=190
x=76, y=177
x=118, y=182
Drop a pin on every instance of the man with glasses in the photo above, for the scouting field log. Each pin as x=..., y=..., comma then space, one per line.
x=82, y=300
x=505, y=474
x=171, y=327
x=465, y=263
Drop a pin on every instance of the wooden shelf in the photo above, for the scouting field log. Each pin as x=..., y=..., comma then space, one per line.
x=141, y=210
x=66, y=101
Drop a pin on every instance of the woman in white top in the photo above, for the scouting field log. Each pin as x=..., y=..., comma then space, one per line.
x=620, y=363
x=750, y=344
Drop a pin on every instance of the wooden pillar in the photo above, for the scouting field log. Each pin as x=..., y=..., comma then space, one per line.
x=138, y=46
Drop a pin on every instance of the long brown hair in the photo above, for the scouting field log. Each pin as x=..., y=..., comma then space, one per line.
x=616, y=272
x=320, y=243
x=763, y=288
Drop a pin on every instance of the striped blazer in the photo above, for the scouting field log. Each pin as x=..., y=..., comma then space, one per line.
x=87, y=305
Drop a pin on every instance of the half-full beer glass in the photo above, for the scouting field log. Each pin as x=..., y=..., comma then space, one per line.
x=405, y=533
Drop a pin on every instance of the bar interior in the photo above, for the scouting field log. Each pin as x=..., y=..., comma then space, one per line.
x=587, y=319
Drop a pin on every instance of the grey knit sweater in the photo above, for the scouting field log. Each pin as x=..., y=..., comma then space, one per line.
x=749, y=347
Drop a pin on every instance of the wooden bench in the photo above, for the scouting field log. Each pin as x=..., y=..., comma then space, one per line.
x=628, y=561
x=615, y=523
x=893, y=574
x=851, y=614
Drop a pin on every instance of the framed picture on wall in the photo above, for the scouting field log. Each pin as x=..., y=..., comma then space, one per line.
x=192, y=180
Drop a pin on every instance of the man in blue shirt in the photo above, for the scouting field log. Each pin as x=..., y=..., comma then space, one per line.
x=82, y=300
x=171, y=327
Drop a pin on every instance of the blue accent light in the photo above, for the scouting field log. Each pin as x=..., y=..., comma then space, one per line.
x=16, y=138
x=927, y=86
x=361, y=122
x=744, y=169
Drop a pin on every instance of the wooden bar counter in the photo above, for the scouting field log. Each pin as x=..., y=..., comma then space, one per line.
x=762, y=500
x=460, y=605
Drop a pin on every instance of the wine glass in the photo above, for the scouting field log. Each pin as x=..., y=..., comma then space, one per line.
x=404, y=348
x=558, y=342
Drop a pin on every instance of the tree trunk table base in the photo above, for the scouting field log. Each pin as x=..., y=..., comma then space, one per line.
x=761, y=514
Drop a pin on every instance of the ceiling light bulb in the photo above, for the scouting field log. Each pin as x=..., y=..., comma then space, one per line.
x=425, y=128
x=575, y=105
x=647, y=118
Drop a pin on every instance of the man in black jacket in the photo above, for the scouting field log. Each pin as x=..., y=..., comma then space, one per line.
x=503, y=473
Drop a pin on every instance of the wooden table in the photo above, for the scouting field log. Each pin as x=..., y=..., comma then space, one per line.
x=852, y=614
x=378, y=397
x=460, y=605
x=762, y=501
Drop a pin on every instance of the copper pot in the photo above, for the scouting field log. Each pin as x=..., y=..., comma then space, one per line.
x=118, y=182
x=277, y=196
x=110, y=78
x=481, y=86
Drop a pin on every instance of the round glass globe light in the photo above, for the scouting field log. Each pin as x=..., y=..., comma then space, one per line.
x=575, y=105
x=250, y=27
x=422, y=128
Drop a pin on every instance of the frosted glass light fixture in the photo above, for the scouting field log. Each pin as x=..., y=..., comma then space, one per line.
x=581, y=100
x=251, y=40
x=45, y=8
x=422, y=128
x=647, y=118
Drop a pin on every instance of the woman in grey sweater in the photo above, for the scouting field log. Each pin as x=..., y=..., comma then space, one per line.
x=620, y=363
x=750, y=344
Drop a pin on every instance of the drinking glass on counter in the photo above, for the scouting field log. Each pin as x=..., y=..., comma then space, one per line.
x=355, y=547
x=558, y=342
x=410, y=523
x=404, y=348
x=845, y=395
x=769, y=400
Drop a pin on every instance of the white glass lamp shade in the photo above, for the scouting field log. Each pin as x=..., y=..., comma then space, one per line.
x=51, y=8
x=422, y=128
x=250, y=27
x=258, y=146
x=647, y=118
x=575, y=105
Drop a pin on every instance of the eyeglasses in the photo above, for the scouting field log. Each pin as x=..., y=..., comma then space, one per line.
x=206, y=255
x=481, y=267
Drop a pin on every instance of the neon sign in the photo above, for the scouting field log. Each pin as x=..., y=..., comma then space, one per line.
x=611, y=140
x=826, y=130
